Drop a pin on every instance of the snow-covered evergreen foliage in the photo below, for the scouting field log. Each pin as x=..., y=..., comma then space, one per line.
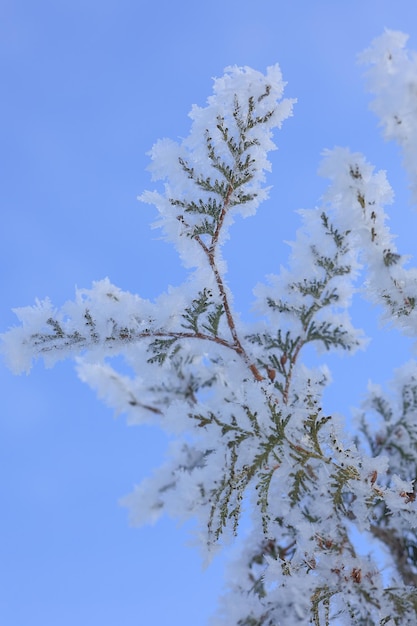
x=245, y=409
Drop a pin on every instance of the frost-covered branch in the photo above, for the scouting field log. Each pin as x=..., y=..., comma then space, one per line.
x=392, y=77
x=246, y=412
x=357, y=195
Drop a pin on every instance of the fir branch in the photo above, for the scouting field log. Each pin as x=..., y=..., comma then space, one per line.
x=161, y=349
x=213, y=320
x=198, y=306
x=340, y=484
x=329, y=335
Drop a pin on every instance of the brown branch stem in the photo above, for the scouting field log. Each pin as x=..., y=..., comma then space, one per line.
x=288, y=378
x=210, y=253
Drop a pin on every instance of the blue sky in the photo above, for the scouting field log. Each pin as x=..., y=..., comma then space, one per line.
x=88, y=87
